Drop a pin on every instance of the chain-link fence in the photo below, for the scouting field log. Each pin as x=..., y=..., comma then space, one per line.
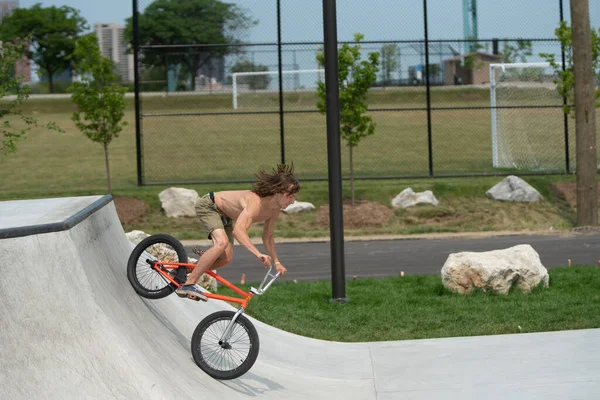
x=224, y=88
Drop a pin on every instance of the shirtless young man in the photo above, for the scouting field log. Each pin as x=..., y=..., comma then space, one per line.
x=217, y=212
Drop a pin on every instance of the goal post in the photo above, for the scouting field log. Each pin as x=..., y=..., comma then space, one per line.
x=514, y=130
x=236, y=75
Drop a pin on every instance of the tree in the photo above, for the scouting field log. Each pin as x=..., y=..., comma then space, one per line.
x=189, y=22
x=11, y=85
x=510, y=53
x=255, y=82
x=390, y=61
x=565, y=81
x=470, y=61
x=51, y=33
x=355, y=79
x=100, y=102
x=587, y=200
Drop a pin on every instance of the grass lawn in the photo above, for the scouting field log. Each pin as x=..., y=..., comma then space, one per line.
x=419, y=307
x=209, y=147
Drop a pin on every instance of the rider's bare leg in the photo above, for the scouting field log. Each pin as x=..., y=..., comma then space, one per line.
x=217, y=256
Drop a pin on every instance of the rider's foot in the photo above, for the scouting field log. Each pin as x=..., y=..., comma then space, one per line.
x=192, y=292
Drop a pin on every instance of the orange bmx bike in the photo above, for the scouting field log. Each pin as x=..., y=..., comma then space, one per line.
x=225, y=344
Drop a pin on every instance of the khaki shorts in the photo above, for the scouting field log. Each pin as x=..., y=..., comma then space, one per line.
x=211, y=219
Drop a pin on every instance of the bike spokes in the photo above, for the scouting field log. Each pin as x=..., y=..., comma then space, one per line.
x=221, y=355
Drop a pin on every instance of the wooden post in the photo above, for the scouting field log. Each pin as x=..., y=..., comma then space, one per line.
x=585, y=115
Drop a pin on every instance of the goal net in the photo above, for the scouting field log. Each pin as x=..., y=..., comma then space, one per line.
x=527, y=126
x=292, y=80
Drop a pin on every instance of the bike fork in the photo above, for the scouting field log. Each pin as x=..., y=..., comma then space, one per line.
x=227, y=334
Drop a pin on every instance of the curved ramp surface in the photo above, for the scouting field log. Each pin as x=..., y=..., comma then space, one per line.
x=72, y=327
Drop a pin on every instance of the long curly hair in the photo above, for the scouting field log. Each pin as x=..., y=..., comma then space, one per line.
x=279, y=181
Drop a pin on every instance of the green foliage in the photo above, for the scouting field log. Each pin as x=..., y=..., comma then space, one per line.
x=355, y=78
x=50, y=32
x=390, y=60
x=471, y=62
x=11, y=85
x=566, y=79
x=100, y=102
x=189, y=22
x=520, y=52
x=256, y=82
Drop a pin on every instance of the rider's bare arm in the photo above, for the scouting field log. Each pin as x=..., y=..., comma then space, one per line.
x=268, y=239
x=269, y=242
x=240, y=231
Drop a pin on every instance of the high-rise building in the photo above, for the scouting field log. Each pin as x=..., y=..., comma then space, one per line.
x=113, y=45
x=6, y=7
x=23, y=66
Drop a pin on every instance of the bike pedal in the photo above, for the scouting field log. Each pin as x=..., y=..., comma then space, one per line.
x=195, y=298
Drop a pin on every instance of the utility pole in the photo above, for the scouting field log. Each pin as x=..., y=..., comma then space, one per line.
x=585, y=115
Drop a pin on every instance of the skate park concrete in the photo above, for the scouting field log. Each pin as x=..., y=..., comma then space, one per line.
x=71, y=327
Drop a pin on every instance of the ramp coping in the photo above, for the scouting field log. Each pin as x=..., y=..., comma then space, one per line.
x=64, y=225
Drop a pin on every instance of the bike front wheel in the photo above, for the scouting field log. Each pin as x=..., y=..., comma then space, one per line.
x=145, y=279
x=228, y=359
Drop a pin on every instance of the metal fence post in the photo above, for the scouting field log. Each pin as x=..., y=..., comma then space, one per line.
x=427, y=83
x=565, y=116
x=136, y=85
x=281, y=121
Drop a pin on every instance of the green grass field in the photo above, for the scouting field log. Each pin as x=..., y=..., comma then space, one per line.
x=189, y=148
x=194, y=148
x=423, y=308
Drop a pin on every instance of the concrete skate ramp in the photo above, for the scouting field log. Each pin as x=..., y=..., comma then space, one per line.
x=72, y=327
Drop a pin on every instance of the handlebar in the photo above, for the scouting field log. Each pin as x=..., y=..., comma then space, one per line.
x=262, y=288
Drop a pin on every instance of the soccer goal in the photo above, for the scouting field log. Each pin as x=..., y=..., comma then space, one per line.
x=298, y=79
x=526, y=133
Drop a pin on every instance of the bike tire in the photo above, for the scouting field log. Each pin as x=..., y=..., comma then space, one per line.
x=146, y=281
x=222, y=363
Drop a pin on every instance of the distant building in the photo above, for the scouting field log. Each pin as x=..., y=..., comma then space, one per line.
x=455, y=72
x=6, y=8
x=23, y=66
x=113, y=46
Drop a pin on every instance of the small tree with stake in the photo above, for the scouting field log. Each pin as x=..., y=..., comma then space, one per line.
x=355, y=79
x=100, y=103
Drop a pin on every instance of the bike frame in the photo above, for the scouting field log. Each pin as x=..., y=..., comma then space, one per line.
x=243, y=300
x=244, y=296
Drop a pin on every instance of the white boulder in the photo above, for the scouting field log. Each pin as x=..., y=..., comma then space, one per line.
x=178, y=202
x=136, y=236
x=513, y=188
x=409, y=198
x=298, y=206
x=497, y=271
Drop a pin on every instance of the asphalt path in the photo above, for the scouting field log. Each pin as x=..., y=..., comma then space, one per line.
x=385, y=258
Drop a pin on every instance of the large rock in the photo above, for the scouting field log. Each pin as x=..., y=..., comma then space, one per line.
x=495, y=271
x=513, y=188
x=136, y=236
x=409, y=198
x=178, y=202
x=298, y=206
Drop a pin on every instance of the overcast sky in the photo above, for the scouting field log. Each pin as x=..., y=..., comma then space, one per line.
x=377, y=19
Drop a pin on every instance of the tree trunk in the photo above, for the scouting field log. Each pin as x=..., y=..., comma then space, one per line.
x=585, y=116
x=50, y=81
x=351, y=176
x=107, y=167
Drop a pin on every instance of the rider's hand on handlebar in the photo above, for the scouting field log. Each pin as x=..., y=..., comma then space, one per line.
x=265, y=260
x=280, y=268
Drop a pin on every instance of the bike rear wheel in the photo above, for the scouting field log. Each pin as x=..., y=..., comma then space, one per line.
x=145, y=279
x=227, y=360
